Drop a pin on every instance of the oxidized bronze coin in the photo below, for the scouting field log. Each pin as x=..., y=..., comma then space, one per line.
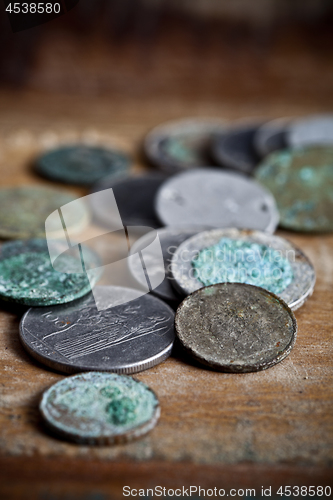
x=100, y=408
x=301, y=181
x=24, y=209
x=234, y=327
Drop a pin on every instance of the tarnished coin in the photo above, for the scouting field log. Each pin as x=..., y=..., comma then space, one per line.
x=184, y=144
x=316, y=130
x=170, y=239
x=24, y=209
x=100, y=408
x=125, y=338
x=234, y=148
x=210, y=198
x=135, y=200
x=301, y=181
x=234, y=327
x=240, y=256
x=271, y=136
x=28, y=277
x=80, y=164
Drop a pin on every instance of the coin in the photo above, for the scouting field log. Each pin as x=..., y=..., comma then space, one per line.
x=125, y=338
x=271, y=136
x=170, y=239
x=100, y=408
x=180, y=145
x=24, y=209
x=135, y=200
x=206, y=197
x=235, y=327
x=80, y=164
x=312, y=130
x=234, y=148
x=252, y=257
x=28, y=277
x=301, y=181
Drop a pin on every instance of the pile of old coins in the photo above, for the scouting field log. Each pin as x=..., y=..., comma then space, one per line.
x=210, y=270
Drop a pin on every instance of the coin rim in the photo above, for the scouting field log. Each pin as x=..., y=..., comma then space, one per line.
x=238, y=368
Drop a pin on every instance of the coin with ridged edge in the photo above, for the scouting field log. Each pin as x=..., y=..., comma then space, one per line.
x=236, y=328
x=28, y=277
x=24, y=209
x=99, y=408
x=122, y=333
x=252, y=257
x=82, y=165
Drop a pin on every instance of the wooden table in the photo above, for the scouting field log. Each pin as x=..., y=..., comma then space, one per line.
x=267, y=429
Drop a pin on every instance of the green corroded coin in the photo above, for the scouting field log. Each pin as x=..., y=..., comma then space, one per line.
x=100, y=408
x=301, y=181
x=24, y=209
x=28, y=277
x=81, y=164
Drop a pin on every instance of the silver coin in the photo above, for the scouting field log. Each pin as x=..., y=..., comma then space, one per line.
x=207, y=197
x=271, y=136
x=314, y=130
x=125, y=338
x=235, y=327
x=170, y=240
x=299, y=283
x=183, y=144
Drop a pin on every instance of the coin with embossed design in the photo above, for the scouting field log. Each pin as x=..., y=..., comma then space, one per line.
x=100, y=408
x=235, y=327
x=112, y=330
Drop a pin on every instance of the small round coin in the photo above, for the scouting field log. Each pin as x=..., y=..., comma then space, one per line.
x=271, y=136
x=301, y=180
x=211, y=198
x=24, y=209
x=80, y=164
x=135, y=200
x=100, y=408
x=234, y=327
x=170, y=239
x=252, y=257
x=311, y=131
x=130, y=335
x=28, y=277
x=234, y=148
x=180, y=145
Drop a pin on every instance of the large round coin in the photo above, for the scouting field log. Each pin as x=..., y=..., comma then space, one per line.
x=126, y=338
x=24, y=209
x=311, y=131
x=180, y=145
x=28, y=277
x=301, y=181
x=100, y=408
x=237, y=328
x=82, y=164
x=206, y=197
x=135, y=200
x=234, y=148
x=252, y=257
x=271, y=136
x=170, y=240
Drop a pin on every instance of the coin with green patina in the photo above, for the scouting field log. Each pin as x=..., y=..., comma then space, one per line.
x=28, y=277
x=301, y=181
x=234, y=327
x=24, y=209
x=100, y=408
x=82, y=164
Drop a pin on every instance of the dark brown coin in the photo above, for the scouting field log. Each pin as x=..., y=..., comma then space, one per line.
x=234, y=327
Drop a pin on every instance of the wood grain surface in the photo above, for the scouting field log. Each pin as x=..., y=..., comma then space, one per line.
x=250, y=430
